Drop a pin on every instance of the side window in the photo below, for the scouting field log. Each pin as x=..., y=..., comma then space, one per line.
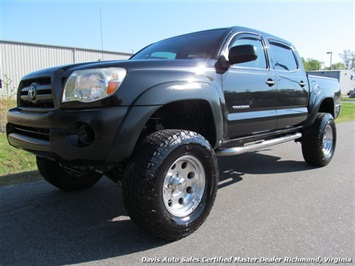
x=283, y=57
x=260, y=62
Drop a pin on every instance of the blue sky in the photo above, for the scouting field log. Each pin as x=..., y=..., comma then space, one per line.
x=315, y=27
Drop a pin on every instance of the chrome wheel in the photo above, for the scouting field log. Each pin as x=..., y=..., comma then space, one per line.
x=184, y=185
x=319, y=140
x=328, y=141
x=170, y=183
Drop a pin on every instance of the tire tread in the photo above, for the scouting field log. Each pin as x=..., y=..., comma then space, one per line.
x=313, y=138
x=140, y=176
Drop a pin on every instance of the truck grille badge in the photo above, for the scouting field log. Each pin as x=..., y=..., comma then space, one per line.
x=32, y=92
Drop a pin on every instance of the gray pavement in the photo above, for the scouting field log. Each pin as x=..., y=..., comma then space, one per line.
x=270, y=206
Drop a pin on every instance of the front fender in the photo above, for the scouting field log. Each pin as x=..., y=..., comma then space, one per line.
x=166, y=93
x=129, y=131
x=146, y=104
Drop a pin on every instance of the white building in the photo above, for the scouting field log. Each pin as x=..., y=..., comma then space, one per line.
x=18, y=59
x=346, y=78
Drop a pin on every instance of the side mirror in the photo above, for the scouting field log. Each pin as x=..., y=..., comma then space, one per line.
x=242, y=53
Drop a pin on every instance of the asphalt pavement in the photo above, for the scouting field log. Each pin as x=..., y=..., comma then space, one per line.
x=271, y=208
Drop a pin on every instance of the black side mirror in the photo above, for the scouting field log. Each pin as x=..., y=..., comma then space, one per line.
x=242, y=53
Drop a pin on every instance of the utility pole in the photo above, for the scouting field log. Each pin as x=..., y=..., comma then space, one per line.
x=330, y=66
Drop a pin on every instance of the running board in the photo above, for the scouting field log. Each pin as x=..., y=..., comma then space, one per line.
x=256, y=145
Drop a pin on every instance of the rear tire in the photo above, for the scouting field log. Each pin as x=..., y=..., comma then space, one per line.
x=318, y=142
x=66, y=179
x=171, y=183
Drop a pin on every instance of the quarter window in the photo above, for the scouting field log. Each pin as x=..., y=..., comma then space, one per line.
x=283, y=57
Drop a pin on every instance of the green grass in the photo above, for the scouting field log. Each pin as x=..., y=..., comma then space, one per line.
x=5, y=104
x=347, y=112
x=14, y=160
x=347, y=99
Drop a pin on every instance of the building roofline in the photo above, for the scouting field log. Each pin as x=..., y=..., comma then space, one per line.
x=63, y=47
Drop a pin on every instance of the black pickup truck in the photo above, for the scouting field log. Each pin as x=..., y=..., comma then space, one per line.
x=155, y=123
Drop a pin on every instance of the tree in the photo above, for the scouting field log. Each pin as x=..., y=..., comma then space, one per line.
x=337, y=66
x=311, y=64
x=348, y=57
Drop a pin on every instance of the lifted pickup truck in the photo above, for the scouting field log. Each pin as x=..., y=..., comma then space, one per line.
x=156, y=122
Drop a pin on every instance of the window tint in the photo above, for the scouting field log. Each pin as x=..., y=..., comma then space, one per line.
x=162, y=55
x=283, y=57
x=196, y=45
x=260, y=62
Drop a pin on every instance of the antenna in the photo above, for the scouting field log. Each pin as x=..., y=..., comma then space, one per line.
x=102, y=38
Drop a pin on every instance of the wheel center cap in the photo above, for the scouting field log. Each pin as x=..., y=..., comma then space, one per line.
x=181, y=184
x=177, y=183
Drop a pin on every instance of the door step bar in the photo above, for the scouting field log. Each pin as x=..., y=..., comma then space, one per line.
x=256, y=145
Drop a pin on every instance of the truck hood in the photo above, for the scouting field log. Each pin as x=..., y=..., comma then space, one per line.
x=142, y=75
x=145, y=64
x=64, y=71
x=128, y=64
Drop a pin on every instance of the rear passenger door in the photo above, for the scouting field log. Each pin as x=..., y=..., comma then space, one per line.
x=250, y=91
x=292, y=85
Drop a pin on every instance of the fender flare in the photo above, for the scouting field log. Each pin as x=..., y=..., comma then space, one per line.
x=170, y=92
x=317, y=97
x=151, y=100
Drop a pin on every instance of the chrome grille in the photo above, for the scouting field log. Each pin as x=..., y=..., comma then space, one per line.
x=36, y=93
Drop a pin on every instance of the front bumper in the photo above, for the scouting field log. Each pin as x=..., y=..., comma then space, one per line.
x=72, y=137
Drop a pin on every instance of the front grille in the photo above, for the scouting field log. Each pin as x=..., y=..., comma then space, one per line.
x=38, y=133
x=36, y=93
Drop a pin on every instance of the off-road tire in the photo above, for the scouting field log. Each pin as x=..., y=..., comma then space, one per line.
x=65, y=179
x=171, y=183
x=318, y=141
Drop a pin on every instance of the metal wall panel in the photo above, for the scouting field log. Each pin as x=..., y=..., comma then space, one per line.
x=89, y=56
x=18, y=59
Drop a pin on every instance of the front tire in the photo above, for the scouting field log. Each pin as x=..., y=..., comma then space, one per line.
x=66, y=179
x=171, y=183
x=318, y=142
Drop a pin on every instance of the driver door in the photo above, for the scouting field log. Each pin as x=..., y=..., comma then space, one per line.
x=250, y=92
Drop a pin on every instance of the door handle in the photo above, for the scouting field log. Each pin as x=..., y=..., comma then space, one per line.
x=302, y=84
x=270, y=82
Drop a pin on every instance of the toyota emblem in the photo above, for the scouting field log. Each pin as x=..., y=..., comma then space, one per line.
x=32, y=92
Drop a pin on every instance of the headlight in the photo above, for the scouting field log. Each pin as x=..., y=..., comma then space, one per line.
x=93, y=84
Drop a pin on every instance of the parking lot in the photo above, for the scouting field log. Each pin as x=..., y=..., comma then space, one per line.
x=271, y=207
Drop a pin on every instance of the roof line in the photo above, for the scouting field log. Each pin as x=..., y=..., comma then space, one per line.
x=63, y=47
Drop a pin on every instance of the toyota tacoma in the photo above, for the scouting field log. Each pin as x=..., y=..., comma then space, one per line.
x=155, y=123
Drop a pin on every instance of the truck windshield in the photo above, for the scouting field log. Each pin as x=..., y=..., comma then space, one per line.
x=191, y=46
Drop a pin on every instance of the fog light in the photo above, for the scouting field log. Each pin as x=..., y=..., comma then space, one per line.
x=80, y=134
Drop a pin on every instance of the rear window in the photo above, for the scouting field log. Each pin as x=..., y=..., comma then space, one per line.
x=191, y=46
x=283, y=57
